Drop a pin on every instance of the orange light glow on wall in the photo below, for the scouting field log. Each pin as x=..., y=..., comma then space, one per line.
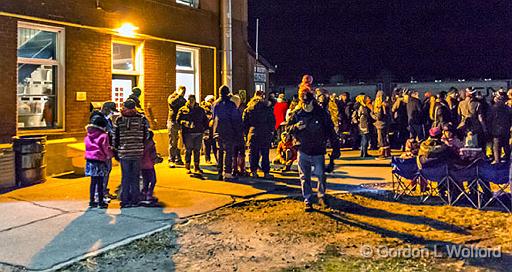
x=127, y=30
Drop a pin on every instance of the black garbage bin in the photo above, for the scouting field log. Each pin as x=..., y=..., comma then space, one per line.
x=30, y=158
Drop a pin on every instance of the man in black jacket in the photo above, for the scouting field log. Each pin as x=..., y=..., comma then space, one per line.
x=194, y=123
x=258, y=120
x=414, y=116
x=176, y=100
x=313, y=127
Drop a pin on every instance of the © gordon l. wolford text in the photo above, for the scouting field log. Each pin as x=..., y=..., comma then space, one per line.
x=437, y=251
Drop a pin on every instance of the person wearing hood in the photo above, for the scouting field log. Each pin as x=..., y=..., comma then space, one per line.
x=107, y=111
x=129, y=133
x=97, y=153
x=312, y=127
x=194, y=123
x=227, y=120
x=258, y=123
x=175, y=101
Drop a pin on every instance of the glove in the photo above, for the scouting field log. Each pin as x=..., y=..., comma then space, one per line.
x=336, y=154
x=330, y=167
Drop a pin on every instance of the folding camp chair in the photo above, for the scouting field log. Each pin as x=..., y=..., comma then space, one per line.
x=404, y=177
x=499, y=176
x=459, y=175
x=438, y=180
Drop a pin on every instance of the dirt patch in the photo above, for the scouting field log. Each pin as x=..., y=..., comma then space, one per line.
x=279, y=235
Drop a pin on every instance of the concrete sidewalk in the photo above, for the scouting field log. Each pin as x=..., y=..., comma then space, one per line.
x=49, y=225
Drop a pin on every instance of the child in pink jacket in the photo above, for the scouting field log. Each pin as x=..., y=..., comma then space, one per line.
x=147, y=166
x=97, y=153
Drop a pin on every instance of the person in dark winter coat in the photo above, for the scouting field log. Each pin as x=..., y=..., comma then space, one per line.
x=500, y=120
x=258, y=122
x=227, y=120
x=194, y=123
x=442, y=113
x=175, y=101
x=312, y=127
x=414, y=115
x=129, y=134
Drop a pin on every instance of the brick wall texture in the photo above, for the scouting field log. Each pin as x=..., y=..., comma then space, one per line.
x=88, y=52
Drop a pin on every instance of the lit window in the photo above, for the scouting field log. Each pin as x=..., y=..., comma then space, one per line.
x=123, y=57
x=187, y=70
x=40, y=82
x=190, y=3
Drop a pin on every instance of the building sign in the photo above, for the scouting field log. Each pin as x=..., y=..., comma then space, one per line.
x=260, y=77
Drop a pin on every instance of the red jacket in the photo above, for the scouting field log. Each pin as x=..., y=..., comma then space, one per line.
x=280, y=109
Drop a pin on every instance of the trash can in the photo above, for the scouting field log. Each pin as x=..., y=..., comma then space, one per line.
x=7, y=169
x=30, y=158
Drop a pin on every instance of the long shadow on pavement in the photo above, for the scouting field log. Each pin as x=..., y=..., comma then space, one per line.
x=80, y=234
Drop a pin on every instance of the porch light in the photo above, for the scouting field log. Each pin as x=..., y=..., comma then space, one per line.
x=127, y=30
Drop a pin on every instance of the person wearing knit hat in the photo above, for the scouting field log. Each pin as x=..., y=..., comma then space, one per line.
x=175, y=101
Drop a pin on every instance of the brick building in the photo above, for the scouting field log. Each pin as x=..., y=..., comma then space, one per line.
x=59, y=56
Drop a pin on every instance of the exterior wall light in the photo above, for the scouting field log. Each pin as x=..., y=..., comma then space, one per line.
x=127, y=30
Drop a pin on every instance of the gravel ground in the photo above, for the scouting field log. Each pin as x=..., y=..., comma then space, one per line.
x=358, y=233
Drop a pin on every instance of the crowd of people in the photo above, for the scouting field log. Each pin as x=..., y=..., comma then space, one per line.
x=447, y=125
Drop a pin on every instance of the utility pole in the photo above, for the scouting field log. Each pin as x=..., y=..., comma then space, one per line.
x=227, y=44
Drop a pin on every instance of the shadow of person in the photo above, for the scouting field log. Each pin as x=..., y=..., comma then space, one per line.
x=77, y=235
x=449, y=249
x=349, y=207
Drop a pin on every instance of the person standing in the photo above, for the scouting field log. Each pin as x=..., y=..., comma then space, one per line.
x=312, y=127
x=208, y=141
x=500, y=123
x=97, y=152
x=175, y=101
x=227, y=120
x=362, y=117
x=107, y=111
x=280, y=109
x=258, y=123
x=130, y=131
x=472, y=118
x=381, y=115
x=442, y=114
x=194, y=123
x=414, y=115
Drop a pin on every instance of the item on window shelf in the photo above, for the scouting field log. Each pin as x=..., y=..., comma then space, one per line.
x=24, y=108
x=20, y=89
x=35, y=88
x=37, y=75
x=49, y=75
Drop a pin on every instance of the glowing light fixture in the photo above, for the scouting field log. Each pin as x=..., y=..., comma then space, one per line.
x=127, y=30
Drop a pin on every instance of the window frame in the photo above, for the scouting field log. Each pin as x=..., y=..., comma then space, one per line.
x=138, y=72
x=195, y=70
x=60, y=63
x=194, y=4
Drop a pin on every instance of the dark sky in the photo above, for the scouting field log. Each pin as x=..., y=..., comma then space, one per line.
x=426, y=39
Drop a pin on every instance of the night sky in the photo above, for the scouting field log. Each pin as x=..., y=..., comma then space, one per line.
x=425, y=39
